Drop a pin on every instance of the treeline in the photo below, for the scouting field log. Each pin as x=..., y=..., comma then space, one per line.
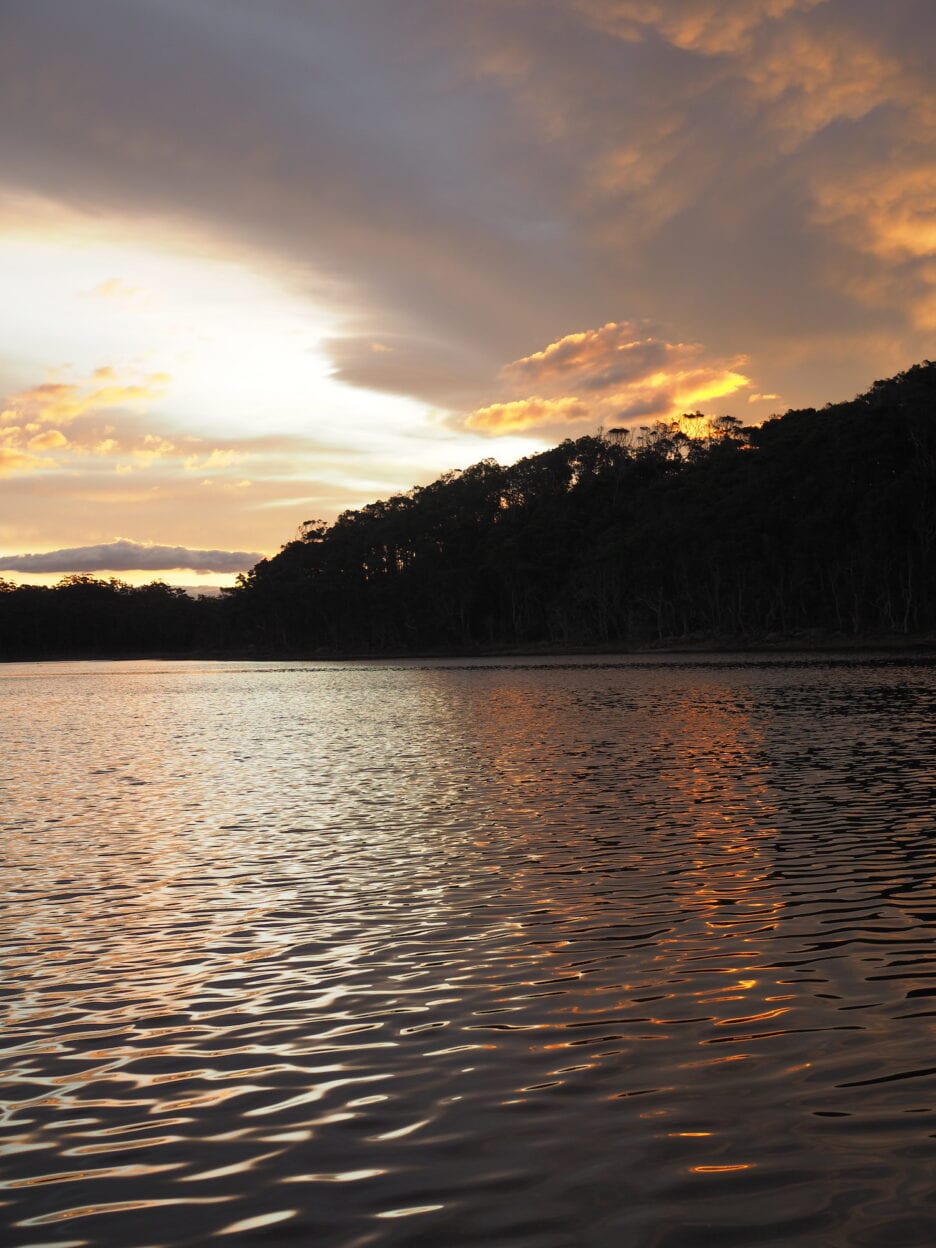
x=814, y=521
x=84, y=616
x=817, y=521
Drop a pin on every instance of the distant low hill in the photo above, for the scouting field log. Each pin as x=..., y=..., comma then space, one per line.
x=816, y=522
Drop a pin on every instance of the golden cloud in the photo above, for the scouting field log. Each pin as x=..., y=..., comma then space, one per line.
x=25, y=421
x=520, y=415
x=12, y=460
x=154, y=447
x=887, y=214
x=51, y=440
x=90, y=434
x=617, y=374
x=890, y=212
x=711, y=27
x=60, y=402
x=794, y=71
x=599, y=358
x=23, y=426
x=115, y=288
x=808, y=80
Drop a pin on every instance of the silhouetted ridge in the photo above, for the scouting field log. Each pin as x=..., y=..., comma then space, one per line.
x=812, y=521
x=815, y=521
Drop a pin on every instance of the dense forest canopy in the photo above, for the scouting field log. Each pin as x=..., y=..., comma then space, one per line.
x=816, y=521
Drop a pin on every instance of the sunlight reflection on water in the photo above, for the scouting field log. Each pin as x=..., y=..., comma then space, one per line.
x=542, y=953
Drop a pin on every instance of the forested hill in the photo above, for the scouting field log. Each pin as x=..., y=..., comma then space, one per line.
x=817, y=521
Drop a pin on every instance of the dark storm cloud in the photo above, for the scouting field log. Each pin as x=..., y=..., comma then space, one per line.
x=468, y=183
x=126, y=556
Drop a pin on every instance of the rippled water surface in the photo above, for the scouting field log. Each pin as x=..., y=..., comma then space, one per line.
x=529, y=954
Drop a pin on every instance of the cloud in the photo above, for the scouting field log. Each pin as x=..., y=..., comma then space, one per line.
x=808, y=79
x=459, y=182
x=71, y=498
x=617, y=374
x=12, y=460
x=712, y=27
x=885, y=215
x=18, y=444
x=78, y=406
x=597, y=359
x=397, y=364
x=524, y=415
x=51, y=440
x=105, y=421
x=127, y=556
x=117, y=289
x=60, y=402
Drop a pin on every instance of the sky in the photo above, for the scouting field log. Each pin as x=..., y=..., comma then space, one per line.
x=262, y=263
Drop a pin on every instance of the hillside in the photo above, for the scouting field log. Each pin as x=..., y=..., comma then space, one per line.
x=818, y=522
x=814, y=521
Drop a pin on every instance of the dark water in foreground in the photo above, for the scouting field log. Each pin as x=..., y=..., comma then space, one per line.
x=549, y=955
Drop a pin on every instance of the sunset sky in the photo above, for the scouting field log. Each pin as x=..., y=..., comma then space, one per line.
x=263, y=262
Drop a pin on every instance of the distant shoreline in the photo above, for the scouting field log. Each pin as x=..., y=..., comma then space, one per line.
x=922, y=645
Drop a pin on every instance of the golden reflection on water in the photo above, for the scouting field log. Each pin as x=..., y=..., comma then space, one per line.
x=720, y=1169
x=463, y=946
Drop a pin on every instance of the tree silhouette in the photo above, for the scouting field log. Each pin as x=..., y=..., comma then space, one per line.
x=815, y=522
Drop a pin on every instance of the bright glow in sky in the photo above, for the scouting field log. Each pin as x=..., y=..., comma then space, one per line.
x=264, y=263
x=234, y=345
x=234, y=382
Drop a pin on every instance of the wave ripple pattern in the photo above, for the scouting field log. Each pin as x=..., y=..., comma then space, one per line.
x=536, y=955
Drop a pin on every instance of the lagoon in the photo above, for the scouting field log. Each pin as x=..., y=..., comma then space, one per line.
x=532, y=953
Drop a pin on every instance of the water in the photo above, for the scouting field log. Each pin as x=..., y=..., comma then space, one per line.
x=545, y=954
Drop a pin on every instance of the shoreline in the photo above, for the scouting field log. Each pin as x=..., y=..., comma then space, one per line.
x=917, y=645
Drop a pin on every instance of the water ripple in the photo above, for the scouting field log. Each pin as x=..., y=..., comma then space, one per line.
x=540, y=953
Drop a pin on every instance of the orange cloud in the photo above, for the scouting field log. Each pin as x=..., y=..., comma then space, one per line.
x=887, y=214
x=12, y=460
x=222, y=458
x=711, y=27
x=24, y=423
x=598, y=358
x=153, y=446
x=59, y=402
x=793, y=69
x=890, y=212
x=809, y=80
x=520, y=415
x=124, y=440
x=51, y=440
x=617, y=374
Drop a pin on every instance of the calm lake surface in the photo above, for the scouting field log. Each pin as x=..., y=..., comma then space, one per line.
x=522, y=953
